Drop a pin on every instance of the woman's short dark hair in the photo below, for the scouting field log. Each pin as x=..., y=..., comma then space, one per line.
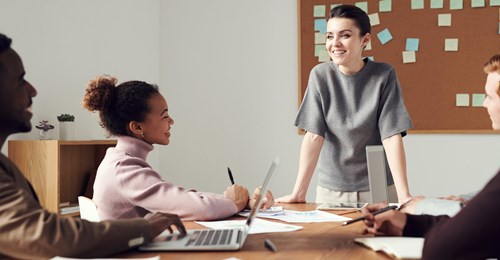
x=354, y=13
x=119, y=105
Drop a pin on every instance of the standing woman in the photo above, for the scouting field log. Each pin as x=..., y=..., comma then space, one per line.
x=126, y=186
x=350, y=102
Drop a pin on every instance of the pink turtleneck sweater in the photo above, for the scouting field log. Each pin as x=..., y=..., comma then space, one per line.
x=126, y=187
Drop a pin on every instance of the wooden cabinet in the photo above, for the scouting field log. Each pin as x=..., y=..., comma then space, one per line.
x=59, y=171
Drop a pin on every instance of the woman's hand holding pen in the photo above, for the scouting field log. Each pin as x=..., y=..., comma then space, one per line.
x=389, y=223
x=238, y=194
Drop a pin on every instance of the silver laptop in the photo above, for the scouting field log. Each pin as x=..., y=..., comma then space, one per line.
x=377, y=176
x=212, y=239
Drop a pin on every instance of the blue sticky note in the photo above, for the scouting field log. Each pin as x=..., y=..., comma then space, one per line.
x=456, y=4
x=417, y=4
x=319, y=11
x=412, y=44
x=437, y=4
x=363, y=6
x=494, y=2
x=385, y=6
x=477, y=3
x=320, y=25
x=384, y=36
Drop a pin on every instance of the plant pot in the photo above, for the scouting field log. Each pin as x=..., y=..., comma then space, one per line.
x=67, y=130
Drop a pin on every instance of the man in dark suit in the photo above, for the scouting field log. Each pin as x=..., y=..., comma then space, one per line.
x=26, y=229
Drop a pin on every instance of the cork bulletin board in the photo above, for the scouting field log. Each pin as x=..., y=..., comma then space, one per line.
x=438, y=48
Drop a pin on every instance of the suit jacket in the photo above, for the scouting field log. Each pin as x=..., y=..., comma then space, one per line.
x=30, y=232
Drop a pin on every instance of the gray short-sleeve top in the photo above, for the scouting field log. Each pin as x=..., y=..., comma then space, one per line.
x=351, y=112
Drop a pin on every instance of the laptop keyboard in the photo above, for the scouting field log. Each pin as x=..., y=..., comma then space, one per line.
x=210, y=237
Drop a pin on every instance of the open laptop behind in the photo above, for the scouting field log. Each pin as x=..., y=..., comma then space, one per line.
x=377, y=175
x=212, y=239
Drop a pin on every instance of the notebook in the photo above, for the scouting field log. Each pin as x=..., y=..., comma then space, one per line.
x=399, y=247
x=212, y=239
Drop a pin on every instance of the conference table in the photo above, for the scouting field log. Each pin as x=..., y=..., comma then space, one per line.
x=324, y=240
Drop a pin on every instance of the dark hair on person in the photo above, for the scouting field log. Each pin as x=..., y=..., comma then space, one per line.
x=118, y=105
x=4, y=42
x=354, y=13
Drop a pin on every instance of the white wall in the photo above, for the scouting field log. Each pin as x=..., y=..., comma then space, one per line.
x=228, y=69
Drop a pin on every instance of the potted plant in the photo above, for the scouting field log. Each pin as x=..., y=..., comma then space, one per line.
x=44, y=127
x=66, y=126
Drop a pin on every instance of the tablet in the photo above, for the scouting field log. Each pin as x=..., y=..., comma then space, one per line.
x=341, y=205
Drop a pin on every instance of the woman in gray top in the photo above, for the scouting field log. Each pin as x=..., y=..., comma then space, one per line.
x=350, y=103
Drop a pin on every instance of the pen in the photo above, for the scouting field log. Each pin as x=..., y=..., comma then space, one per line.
x=374, y=213
x=269, y=245
x=230, y=175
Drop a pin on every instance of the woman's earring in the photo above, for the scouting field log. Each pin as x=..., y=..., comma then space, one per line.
x=142, y=135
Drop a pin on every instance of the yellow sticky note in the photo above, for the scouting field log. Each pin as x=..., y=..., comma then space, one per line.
x=319, y=11
x=462, y=100
x=409, y=57
x=319, y=38
x=451, y=44
x=456, y=4
x=323, y=56
x=374, y=19
x=444, y=19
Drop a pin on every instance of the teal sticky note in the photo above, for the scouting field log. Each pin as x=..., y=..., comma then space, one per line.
x=319, y=10
x=323, y=56
x=494, y=2
x=320, y=25
x=384, y=36
x=318, y=48
x=477, y=3
x=385, y=6
x=417, y=4
x=412, y=44
x=462, y=100
x=371, y=58
x=478, y=99
x=363, y=6
x=437, y=4
x=456, y=4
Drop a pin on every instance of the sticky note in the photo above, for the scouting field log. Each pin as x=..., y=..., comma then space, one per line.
x=412, y=44
x=498, y=28
x=478, y=99
x=374, y=19
x=451, y=44
x=437, y=4
x=444, y=19
x=456, y=4
x=385, y=6
x=462, y=100
x=318, y=48
x=319, y=10
x=477, y=3
x=368, y=46
x=363, y=6
x=417, y=4
x=323, y=56
x=409, y=57
x=371, y=58
x=319, y=38
x=320, y=25
x=494, y=2
x=384, y=36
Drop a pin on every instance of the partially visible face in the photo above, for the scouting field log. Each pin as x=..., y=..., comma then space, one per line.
x=345, y=45
x=156, y=127
x=492, y=100
x=15, y=95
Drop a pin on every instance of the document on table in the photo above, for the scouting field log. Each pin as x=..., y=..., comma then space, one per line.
x=259, y=226
x=294, y=216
